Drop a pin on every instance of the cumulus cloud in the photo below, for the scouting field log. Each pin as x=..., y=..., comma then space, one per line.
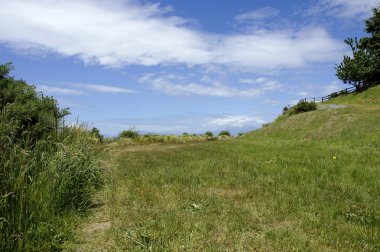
x=259, y=14
x=347, y=8
x=176, y=85
x=272, y=49
x=117, y=33
x=236, y=121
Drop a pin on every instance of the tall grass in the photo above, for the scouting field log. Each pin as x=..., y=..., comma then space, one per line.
x=47, y=171
x=42, y=183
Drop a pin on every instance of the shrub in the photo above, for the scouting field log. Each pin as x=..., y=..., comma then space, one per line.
x=224, y=133
x=209, y=134
x=130, y=133
x=96, y=133
x=303, y=106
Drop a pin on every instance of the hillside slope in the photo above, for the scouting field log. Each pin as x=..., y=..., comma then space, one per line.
x=357, y=119
x=308, y=182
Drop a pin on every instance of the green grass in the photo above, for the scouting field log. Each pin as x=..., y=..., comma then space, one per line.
x=44, y=188
x=367, y=97
x=275, y=189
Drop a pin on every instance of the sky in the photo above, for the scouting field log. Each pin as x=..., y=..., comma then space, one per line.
x=175, y=66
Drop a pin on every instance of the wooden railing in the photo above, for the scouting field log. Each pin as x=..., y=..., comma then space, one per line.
x=332, y=95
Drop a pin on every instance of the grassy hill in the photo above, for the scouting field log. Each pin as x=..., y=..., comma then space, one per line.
x=308, y=182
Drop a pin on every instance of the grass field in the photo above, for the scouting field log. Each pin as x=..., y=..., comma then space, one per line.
x=308, y=182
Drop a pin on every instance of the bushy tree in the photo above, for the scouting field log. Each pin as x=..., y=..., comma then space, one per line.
x=363, y=67
x=30, y=114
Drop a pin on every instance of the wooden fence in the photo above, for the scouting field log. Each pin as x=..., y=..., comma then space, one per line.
x=332, y=95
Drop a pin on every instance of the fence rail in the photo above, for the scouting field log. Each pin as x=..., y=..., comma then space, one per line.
x=334, y=94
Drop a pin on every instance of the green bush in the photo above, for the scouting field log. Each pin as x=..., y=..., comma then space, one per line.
x=224, y=133
x=209, y=134
x=130, y=133
x=96, y=133
x=303, y=106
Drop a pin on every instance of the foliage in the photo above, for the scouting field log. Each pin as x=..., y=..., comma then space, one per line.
x=302, y=106
x=96, y=133
x=33, y=115
x=363, y=68
x=47, y=172
x=209, y=134
x=224, y=133
x=130, y=133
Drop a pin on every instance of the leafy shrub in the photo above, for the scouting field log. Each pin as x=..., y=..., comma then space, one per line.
x=303, y=106
x=209, y=134
x=130, y=133
x=224, y=133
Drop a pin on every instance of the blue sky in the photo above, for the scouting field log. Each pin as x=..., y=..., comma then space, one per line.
x=177, y=66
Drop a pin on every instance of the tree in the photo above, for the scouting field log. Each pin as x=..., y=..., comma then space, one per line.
x=29, y=115
x=363, y=67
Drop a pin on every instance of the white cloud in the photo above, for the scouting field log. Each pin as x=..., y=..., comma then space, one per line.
x=57, y=90
x=106, y=89
x=262, y=83
x=347, y=8
x=271, y=49
x=259, y=14
x=174, y=85
x=237, y=121
x=82, y=88
x=116, y=33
